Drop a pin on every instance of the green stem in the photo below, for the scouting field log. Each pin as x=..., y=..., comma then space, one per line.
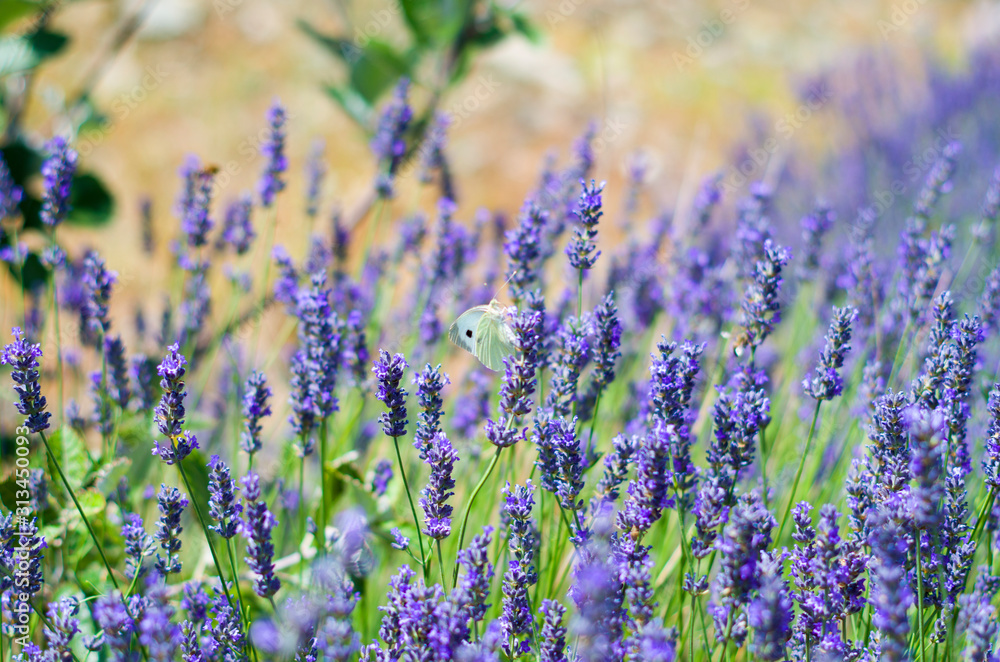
x=205, y=529
x=441, y=563
x=920, y=596
x=413, y=509
x=798, y=473
x=472, y=497
x=322, y=483
x=83, y=516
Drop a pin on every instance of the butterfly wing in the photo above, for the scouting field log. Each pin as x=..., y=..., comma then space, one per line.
x=463, y=332
x=494, y=340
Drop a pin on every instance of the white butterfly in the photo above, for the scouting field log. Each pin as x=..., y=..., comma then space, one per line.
x=484, y=332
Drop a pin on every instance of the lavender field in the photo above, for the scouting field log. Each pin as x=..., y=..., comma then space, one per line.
x=745, y=412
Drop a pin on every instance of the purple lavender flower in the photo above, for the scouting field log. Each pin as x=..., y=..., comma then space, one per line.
x=616, y=467
x=927, y=432
x=648, y=492
x=237, y=228
x=273, y=149
x=605, y=351
x=568, y=361
x=429, y=382
x=938, y=182
x=432, y=158
x=989, y=301
x=670, y=389
x=157, y=631
x=62, y=626
x=196, y=222
x=991, y=457
x=389, y=372
x=315, y=172
x=222, y=505
x=828, y=384
x=10, y=193
x=171, y=503
x=315, y=364
x=761, y=308
x=472, y=407
x=522, y=244
x=256, y=405
x=552, y=636
x=581, y=248
x=103, y=408
x=97, y=284
x=814, y=228
x=118, y=385
x=770, y=613
x=399, y=541
x=286, y=286
x=258, y=523
x=747, y=534
x=753, y=230
x=706, y=200
x=389, y=142
x=441, y=457
x=57, y=181
x=516, y=620
x=138, y=545
x=23, y=358
x=170, y=412
x=473, y=586
x=891, y=592
x=597, y=594
x=560, y=459
x=356, y=346
x=142, y=371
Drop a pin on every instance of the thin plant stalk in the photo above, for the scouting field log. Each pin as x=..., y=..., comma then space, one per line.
x=413, y=509
x=798, y=472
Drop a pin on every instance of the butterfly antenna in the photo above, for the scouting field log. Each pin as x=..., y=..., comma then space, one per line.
x=504, y=284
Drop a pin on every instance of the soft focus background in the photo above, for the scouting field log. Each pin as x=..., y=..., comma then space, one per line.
x=200, y=75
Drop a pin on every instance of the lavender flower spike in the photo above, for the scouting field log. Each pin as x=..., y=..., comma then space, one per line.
x=57, y=179
x=257, y=526
x=828, y=384
x=389, y=143
x=10, y=193
x=23, y=357
x=271, y=182
x=256, y=405
x=581, y=248
x=222, y=504
x=171, y=503
x=389, y=372
x=441, y=457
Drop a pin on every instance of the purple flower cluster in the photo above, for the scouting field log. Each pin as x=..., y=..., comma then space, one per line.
x=22, y=357
x=273, y=150
x=389, y=142
x=57, y=180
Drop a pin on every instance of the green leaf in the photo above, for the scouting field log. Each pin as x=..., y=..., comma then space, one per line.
x=92, y=204
x=16, y=55
x=435, y=22
x=111, y=473
x=46, y=43
x=196, y=470
x=25, y=52
x=68, y=447
x=92, y=502
x=12, y=10
x=377, y=69
x=523, y=26
x=352, y=103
